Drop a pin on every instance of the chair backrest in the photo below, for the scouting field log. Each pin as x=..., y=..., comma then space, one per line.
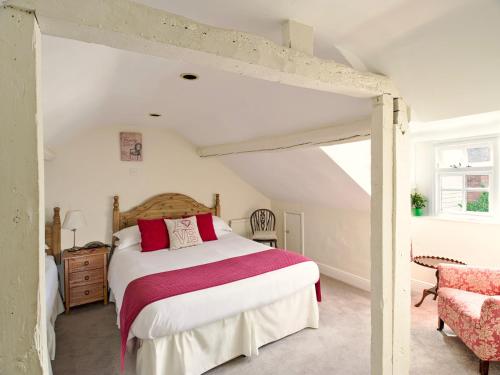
x=263, y=220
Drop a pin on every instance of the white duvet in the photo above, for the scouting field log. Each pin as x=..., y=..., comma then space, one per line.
x=195, y=309
x=53, y=302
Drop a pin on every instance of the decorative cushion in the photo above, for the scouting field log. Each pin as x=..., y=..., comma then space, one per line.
x=264, y=235
x=220, y=226
x=183, y=232
x=128, y=236
x=206, y=227
x=154, y=235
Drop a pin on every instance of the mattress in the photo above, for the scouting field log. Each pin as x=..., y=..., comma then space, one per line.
x=196, y=309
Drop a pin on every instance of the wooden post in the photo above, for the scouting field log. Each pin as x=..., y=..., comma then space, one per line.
x=56, y=235
x=22, y=299
x=390, y=255
x=402, y=240
x=116, y=214
x=217, y=205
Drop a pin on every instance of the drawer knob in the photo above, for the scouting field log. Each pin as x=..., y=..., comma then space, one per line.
x=86, y=263
x=87, y=292
x=87, y=278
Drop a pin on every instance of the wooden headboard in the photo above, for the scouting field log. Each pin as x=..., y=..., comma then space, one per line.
x=171, y=205
x=53, y=236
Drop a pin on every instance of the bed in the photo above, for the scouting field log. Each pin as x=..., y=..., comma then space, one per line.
x=193, y=332
x=53, y=300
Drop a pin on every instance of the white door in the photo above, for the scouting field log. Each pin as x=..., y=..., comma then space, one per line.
x=294, y=231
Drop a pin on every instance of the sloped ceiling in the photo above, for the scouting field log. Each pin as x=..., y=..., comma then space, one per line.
x=443, y=56
x=87, y=85
x=303, y=176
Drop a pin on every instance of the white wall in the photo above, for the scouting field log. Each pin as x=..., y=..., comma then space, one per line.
x=473, y=243
x=337, y=239
x=87, y=172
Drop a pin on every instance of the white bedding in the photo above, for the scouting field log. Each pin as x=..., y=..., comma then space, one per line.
x=192, y=310
x=54, y=303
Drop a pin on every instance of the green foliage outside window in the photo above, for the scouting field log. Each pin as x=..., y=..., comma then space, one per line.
x=479, y=205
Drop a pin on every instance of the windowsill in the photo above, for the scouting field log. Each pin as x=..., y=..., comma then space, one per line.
x=460, y=219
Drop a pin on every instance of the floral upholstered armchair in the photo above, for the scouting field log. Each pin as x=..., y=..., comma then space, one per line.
x=469, y=303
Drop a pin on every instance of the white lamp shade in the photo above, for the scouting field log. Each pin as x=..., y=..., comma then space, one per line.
x=74, y=220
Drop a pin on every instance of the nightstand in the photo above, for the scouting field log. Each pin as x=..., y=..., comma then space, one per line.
x=85, y=276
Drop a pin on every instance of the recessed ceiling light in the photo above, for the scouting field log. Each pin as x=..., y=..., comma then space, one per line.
x=189, y=76
x=155, y=115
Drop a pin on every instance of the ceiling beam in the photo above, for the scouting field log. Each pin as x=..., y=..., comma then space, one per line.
x=341, y=133
x=135, y=27
x=298, y=36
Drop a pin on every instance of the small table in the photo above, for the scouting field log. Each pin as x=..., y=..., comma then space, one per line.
x=430, y=261
x=85, y=276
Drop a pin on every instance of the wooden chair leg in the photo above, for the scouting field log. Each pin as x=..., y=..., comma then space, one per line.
x=440, y=324
x=484, y=367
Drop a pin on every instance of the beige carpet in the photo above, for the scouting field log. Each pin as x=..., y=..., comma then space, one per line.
x=88, y=342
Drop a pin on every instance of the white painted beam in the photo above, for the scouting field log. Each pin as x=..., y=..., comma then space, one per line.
x=381, y=236
x=390, y=239
x=127, y=25
x=23, y=348
x=298, y=36
x=342, y=133
x=401, y=238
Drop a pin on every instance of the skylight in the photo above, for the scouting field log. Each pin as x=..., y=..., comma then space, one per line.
x=355, y=159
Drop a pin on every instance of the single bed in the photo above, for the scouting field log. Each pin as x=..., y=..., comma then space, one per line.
x=53, y=300
x=193, y=332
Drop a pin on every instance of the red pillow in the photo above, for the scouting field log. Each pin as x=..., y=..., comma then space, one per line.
x=206, y=227
x=154, y=234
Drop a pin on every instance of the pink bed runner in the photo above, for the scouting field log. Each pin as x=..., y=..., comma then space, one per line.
x=150, y=288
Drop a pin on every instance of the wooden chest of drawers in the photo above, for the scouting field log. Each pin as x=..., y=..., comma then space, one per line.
x=85, y=276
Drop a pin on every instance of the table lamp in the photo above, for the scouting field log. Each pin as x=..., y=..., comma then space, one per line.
x=72, y=221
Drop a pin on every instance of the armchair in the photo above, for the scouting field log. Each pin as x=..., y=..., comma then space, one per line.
x=469, y=303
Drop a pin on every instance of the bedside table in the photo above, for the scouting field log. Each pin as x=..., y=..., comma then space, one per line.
x=85, y=276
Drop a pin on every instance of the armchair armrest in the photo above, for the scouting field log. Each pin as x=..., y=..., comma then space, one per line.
x=472, y=279
x=490, y=315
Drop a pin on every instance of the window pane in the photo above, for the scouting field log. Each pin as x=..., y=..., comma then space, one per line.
x=478, y=181
x=478, y=154
x=451, y=158
x=452, y=182
x=451, y=201
x=478, y=201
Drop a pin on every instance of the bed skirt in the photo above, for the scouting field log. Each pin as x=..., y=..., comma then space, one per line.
x=198, y=350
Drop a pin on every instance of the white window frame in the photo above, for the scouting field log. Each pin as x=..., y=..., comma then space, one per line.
x=464, y=171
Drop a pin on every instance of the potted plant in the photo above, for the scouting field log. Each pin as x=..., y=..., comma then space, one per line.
x=418, y=202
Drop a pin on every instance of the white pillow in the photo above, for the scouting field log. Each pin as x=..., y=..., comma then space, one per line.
x=128, y=236
x=183, y=232
x=220, y=226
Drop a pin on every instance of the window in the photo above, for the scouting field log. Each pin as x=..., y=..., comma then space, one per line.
x=464, y=178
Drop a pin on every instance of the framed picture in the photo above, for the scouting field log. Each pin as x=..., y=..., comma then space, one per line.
x=130, y=146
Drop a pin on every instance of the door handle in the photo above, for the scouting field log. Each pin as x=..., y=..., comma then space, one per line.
x=287, y=231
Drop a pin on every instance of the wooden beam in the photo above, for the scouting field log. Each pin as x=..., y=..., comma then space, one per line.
x=298, y=36
x=23, y=348
x=390, y=239
x=401, y=238
x=342, y=133
x=381, y=236
x=135, y=27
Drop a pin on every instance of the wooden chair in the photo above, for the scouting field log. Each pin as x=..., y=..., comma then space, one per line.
x=263, y=223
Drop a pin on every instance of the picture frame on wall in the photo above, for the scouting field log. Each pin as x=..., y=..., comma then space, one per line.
x=131, y=146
